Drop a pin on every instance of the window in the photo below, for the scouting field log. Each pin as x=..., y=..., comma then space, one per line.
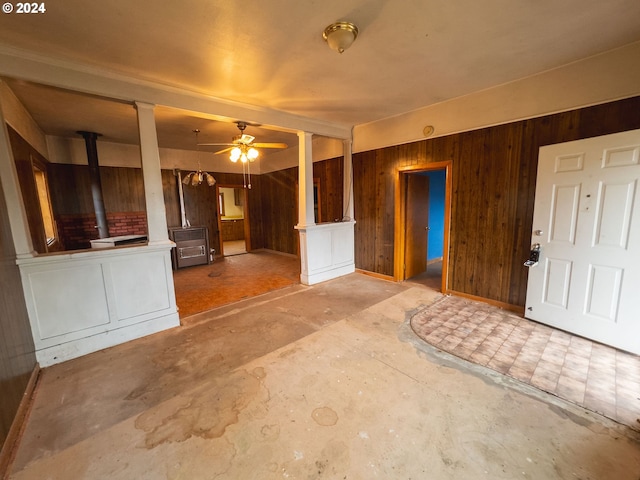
x=45, y=204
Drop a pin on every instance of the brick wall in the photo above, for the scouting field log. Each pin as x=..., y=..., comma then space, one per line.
x=76, y=231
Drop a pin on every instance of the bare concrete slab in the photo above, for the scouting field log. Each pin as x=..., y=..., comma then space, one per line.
x=315, y=382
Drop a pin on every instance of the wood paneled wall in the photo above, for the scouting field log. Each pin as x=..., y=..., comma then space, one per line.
x=24, y=155
x=201, y=205
x=232, y=229
x=17, y=352
x=280, y=202
x=272, y=199
x=494, y=175
x=279, y=213
x=330, y=176
x=122, y=189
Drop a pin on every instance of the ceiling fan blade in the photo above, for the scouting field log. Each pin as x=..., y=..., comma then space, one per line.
x=215, y=144
x=269, y=145
x=224, y=150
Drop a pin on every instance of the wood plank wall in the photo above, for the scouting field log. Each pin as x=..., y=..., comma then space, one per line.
x=280, y=204
x=201, y=205
x=17, y=352
x=272, y=199
x=279, y=213
x=23, y=153
x=122, y=189
x=494, y=175
x=329, y=173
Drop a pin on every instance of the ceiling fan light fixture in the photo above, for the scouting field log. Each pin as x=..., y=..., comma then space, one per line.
x=235, y=154
x=252, y=154
x=340, y=35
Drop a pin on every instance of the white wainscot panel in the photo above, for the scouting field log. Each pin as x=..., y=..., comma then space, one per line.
x=327, y=251
x=140, y=286
x=68, y=300
x=82, y=302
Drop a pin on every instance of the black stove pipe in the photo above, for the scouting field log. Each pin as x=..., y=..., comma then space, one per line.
x=96, y=185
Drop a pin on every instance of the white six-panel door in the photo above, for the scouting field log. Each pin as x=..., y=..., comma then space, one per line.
x=587, y=222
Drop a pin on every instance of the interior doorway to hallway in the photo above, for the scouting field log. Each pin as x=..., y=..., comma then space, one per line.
x=233, y=220
x=422, y=225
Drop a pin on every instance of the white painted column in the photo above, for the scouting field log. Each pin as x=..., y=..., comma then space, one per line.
x=152, y=175
x=13, y=196
x=326, y=249
x=306, y=216
x=347, y=182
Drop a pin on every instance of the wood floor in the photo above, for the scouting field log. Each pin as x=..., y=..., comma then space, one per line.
x=232, y=278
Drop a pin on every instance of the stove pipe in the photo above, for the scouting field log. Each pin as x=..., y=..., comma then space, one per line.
x=96, y=186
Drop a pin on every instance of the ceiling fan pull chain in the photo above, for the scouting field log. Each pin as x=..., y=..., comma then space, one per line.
x=244, y=176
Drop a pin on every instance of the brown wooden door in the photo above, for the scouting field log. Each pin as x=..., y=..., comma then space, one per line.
x=416, y=224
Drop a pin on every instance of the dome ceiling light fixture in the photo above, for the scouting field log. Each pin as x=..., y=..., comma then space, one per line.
x=340, y=35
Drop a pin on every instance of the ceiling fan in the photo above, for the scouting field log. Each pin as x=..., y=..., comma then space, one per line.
x=244, y=143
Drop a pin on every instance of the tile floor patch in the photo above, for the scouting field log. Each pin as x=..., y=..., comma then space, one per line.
x=594, y=376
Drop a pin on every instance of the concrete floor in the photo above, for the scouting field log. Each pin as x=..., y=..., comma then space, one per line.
x=314, y=382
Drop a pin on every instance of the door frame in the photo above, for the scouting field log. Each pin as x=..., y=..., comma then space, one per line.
x=245, y=208
x=400, y=218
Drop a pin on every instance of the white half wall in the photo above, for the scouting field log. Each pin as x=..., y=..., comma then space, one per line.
x=82, y=302
x=327, y=250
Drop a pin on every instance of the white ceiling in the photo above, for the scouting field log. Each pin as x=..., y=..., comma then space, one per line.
x=409, y=54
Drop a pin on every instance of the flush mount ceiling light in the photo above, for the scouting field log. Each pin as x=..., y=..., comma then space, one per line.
x=340, y=35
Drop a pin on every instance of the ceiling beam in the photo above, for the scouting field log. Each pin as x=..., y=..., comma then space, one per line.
x=26, y=65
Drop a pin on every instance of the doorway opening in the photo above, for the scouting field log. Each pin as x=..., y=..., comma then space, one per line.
x=423, y=210
x=233, y=220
